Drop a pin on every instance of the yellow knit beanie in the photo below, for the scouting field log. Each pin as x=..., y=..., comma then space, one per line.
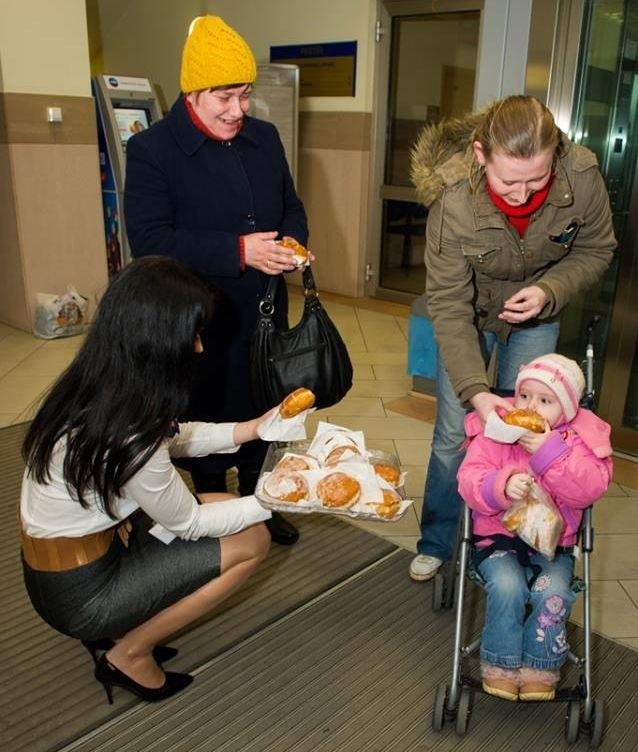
x=215, y=55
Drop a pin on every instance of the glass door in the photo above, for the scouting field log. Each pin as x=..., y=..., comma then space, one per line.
x=433, y=59
x=605, y=119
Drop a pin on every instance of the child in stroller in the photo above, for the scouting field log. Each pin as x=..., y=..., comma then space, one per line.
x=521, y=655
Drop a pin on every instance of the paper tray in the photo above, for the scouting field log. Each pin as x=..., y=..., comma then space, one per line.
x=360, y=510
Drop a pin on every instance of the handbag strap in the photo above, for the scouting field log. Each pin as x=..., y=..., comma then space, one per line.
x=310, y=288
x=267, y=303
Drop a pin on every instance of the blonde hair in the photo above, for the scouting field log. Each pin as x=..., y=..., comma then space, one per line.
x=518, y=126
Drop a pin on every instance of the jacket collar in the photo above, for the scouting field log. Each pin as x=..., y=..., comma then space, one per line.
x=487, y=215
x=189, y=138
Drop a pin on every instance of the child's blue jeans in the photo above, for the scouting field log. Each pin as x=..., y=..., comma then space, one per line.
x=511, y=638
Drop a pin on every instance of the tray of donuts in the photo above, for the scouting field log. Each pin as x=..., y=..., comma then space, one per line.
x=333, y=474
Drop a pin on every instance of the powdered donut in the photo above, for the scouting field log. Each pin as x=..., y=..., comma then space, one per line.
x=342, y=452
x=338, y=490
x=387, y=472
x=292, y=462
x=286, y=486
x=390, y=505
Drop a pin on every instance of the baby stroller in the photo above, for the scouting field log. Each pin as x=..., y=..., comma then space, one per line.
x=452, y=701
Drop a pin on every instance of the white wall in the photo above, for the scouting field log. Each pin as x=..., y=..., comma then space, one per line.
x=275, y=22
x=56, y=29
x=145, y=37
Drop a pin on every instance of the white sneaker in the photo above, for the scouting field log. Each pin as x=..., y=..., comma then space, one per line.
x=424, y=567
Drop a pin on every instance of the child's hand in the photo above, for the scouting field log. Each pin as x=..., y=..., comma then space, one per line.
x=518, y=485
x=532, y=442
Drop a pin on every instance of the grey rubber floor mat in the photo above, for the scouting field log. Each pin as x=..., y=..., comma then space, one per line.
x=356, y=671
x=48, y=695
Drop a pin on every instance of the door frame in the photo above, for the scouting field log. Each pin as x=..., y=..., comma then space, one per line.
x=501, y=70
x=377, y=190
x=563, y=99
x=623, y=336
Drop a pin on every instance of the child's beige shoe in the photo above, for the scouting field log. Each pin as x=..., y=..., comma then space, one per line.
x=500, y=682
x=506, y=690
x=536, y=692
x=537, y=685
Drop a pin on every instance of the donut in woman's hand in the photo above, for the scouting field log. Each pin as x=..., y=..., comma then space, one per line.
x=286, y=486
x=297, y=401
x=338, y=490
x=302, y=255
x=525, y=418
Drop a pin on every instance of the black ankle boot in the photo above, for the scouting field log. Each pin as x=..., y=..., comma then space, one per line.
x=281, y=531
x=161, y=653
x=109, y=676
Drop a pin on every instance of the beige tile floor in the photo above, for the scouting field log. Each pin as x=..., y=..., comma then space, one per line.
x=376, y=334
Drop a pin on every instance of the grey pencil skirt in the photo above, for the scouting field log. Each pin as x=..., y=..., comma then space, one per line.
x=126, y=586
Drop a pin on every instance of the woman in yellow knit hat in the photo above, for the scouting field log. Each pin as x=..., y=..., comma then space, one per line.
x=210, y=186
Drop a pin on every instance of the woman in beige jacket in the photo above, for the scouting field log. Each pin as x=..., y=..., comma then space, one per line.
x=519, y=222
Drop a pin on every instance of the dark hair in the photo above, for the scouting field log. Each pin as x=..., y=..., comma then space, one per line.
x=130, y=380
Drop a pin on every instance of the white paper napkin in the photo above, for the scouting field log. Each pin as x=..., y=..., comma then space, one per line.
x=497, y=430
x=329, y=436
x=277, y=428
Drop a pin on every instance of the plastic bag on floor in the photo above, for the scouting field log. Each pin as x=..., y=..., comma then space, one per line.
x=61, y=315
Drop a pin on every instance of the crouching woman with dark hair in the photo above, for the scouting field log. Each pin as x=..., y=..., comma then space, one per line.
x=116, y=550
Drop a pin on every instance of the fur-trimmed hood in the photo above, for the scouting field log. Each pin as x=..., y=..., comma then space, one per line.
x=442, y=156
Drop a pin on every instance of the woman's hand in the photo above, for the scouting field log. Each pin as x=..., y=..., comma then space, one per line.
x=124, y=531
x=484, y=402
x=247, y=430
x=311, y=256
x=261, y=252
x=524, y=305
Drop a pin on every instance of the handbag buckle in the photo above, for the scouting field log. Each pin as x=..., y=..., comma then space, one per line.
x=311, y=292
x=266, y=307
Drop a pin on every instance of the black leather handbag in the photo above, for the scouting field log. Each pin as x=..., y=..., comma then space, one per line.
x=310, y=354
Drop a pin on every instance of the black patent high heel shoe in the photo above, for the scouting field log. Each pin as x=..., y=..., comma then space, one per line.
x=109, y=676
x=161, y=653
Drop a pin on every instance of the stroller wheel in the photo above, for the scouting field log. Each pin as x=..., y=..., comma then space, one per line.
x=438, y=592
x=438, y=711
x=597, y=724
x=572, y=721
x=463, y=711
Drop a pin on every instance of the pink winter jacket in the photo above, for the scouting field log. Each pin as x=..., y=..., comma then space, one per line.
x=574, y=466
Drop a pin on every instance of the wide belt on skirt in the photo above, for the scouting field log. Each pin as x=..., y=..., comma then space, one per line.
x=61, y=554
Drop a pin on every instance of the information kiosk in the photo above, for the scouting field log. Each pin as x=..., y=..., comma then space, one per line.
x=125, y=105
x=276, y=99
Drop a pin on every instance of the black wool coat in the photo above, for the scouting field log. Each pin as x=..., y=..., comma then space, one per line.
x=191, y=197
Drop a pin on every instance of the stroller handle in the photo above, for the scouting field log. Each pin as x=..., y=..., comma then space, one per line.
x=588, y=399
